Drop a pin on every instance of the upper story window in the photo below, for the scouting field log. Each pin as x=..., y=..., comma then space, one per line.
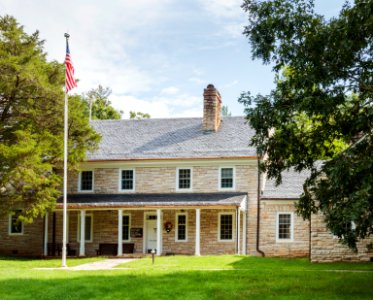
x=226, y=178
x=86, y=181
x=184, y=179
x=225, y=227
x=181, y=227
x=284, y=227
x=127, y=180
x=15, y=226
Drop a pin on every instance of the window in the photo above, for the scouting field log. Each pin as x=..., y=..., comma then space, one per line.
x=127, y=180
x=284, y=227
x=88, y=227
x=126, y=225
x=226, y=227
x=181, y=227
x=226, y=178
x=15, y=226
x=86, y=181
x=184, y=181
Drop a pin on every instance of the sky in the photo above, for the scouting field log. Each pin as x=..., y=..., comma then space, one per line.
x=157, y=56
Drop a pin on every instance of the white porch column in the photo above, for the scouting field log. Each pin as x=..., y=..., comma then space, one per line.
x=46, y=235
x=238, y=230
x=244, y=233
x=82, y=233
x=159, y=232
x=198, y=232
x=120, y=232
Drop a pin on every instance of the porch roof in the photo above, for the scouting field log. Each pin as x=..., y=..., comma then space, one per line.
x=180, y=200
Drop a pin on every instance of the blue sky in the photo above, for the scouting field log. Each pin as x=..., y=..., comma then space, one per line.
x=157, y=56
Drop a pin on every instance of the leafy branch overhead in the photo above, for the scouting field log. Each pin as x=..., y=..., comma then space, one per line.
x=321, y=108
x=31, y=123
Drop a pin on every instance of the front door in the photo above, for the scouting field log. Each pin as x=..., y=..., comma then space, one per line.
x=151, y=233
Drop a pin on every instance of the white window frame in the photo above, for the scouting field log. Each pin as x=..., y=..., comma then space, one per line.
x=78, y=229
x=278, y=240
x=233, y=226
x=177, y=226
x=10, y=224
x=177, y=180
x=80, y=182
x=129, y=227
x=120, y=180
x=220, y=188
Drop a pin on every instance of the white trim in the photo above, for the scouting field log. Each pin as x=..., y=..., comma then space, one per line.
x=159, y=232
x=278, y=240
x=129, y=226
x=78, y=227
x=177, y=179
x=233, y=226
x=233, y=188
x=177, y=226
x=10, y=224
x=133, y=180
x=120, y=232
x=80, y=181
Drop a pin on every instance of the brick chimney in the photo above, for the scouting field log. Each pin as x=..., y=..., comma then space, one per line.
x=211, y=108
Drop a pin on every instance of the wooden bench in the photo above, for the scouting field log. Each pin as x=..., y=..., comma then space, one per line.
x=112, y=249
x=56, y=249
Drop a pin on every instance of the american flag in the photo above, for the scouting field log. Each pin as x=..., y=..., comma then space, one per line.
x=70, y=82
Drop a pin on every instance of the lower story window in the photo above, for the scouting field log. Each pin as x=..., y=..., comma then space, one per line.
x=126, y=228
x=15, y=225
x=284, y=226
x=88, y=228
x=181, y=227
x=226, y=227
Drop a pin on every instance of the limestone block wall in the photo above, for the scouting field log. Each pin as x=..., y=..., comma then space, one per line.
x=326, y=248
x=298, y=247
x=30, y=243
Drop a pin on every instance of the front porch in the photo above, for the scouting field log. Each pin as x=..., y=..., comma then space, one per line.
x=195, y=225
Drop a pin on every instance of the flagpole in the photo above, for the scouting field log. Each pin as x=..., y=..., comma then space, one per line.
x=64, y=234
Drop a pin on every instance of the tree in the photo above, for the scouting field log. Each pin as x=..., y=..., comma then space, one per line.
x=138, y=115
x=31, y=124
x=225, y=111
x=98, y=100
x=321, y=108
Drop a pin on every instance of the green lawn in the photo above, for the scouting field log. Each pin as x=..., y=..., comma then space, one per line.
x=183, y=277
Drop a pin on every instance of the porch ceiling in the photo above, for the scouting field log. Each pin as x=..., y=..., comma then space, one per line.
x=214, y=200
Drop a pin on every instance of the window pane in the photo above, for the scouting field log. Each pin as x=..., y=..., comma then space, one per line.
x=16, y=226
x=126, y=228
x=88, y=227
x=181, y=228
x=86, y=180
x=284, y=226
x=226, y=227
x=226, y=178
x=184, y=178
x=127, y=179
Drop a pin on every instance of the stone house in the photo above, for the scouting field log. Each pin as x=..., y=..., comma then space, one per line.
x=178, y=186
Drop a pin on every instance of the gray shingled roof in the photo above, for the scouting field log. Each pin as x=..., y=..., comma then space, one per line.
x=171, y=138
x=290, y=188
x=141, y=200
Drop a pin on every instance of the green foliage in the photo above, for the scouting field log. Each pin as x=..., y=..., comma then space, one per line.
x=31, y=124
x=138, y=115
x=101, y=109
x=321, y=108
x=225, y=111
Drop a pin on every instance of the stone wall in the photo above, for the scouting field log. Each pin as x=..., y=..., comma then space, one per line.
x=30, y=243
x=298, y=247
x=326, y=248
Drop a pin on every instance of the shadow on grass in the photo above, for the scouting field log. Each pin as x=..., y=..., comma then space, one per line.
x=226, y=284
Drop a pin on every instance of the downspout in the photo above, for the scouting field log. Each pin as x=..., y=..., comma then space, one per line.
x=258, y=214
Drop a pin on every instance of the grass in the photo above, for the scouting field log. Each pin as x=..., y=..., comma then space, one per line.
x=183, y=277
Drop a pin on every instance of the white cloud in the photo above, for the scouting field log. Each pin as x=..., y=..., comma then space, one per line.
x=171, y=90
x=223, y=8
